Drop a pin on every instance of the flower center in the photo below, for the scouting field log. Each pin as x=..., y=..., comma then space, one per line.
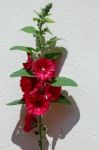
x=38, y=103
x=43, y=69
x=41, y=90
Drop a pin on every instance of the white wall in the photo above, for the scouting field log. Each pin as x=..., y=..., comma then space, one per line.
x=77, y=21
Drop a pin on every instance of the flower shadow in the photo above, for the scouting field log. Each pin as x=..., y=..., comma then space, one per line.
x=59, y=120
x=19, y=137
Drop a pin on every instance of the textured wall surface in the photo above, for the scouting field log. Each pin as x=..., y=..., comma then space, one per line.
x=77, y=21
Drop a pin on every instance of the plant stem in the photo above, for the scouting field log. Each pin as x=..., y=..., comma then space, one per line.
x=40, y=134
x=40, y=29
x=40, y=118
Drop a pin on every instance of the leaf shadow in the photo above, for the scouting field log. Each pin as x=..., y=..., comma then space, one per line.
x=59, y=120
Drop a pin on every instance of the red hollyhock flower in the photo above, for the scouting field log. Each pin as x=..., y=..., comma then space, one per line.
x=49, y=92
x=37, y=90
x=40, y=89
x=28, y=64
x=28, y=83
x=30, y=123
x=52, y=93
x=36, y=105
x=44, y=69
x=55, y=93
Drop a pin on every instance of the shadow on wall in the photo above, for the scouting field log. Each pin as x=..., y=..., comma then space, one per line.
x=59, y=120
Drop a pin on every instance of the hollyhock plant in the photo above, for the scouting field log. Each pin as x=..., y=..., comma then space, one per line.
x=44, y=69
x=39, y=83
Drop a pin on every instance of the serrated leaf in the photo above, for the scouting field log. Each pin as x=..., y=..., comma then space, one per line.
x=63, y=100
x=22, y=48
x=29, y=29
x=52, y=55
x=63, y=81
x=49, y=20
x=16, y=102
x=22, y=72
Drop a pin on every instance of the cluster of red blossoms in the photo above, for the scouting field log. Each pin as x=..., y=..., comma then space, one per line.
x=38, y=93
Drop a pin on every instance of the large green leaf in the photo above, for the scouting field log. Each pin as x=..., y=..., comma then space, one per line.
x=16, y=102
x=21, y=72
x=63, y=100
x=63, y=81
x=22, y=48
x=49, y=20
x=52, y=55
x=29, y=29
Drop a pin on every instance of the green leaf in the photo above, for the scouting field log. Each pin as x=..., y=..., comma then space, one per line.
x=63, y=81
x=16, y=102
x=36, y=19
x=48, y=30
x=52, y=55
x=22, y=48
x=49, y=20
x=29, y=29
x=22, y=72
x=63, y=100
x=52, y=42
x=37, y=13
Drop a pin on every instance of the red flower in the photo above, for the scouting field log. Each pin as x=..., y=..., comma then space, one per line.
x=40, y=89
x=44, y=69
x=28, y=64
x=30, y=122
x=36, y=105
x=37, y=89
x=51, y=93
x=56, y=92
x=28, y=83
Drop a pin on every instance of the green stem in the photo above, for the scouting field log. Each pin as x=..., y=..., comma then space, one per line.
x=40, y=30
x=40, y=118
x=40, y=134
